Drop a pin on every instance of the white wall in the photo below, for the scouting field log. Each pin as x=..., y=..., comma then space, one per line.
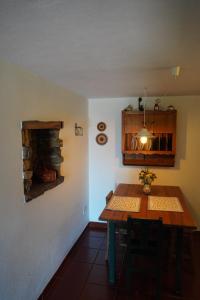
x=36, y=236
x=105, y=162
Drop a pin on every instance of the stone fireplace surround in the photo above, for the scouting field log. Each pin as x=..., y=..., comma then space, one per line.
x=41, y=157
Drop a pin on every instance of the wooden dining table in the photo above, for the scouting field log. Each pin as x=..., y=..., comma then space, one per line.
x=179, y=221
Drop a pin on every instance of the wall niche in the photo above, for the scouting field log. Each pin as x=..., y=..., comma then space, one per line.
x=41, y=157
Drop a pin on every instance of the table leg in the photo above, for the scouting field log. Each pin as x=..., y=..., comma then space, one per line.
x=179, y=251
x=112, y=253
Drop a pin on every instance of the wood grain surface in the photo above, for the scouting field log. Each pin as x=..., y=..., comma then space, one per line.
x=182, y=219
x=42, y=125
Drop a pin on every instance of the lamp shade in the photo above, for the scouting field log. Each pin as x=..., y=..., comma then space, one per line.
x=144, y=135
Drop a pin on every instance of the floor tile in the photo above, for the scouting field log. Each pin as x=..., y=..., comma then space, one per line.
x=103, y=245
x=99, y=275
x=72, y=283
x=97, y=233
x=91, y=242
x=85, y=255
x=97, y=292
x=83, y=275
x=51, y=288
x=100, y=258
x=137, y=291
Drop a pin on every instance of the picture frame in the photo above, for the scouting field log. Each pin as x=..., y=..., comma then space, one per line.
x=101, y=139
x=101, y=126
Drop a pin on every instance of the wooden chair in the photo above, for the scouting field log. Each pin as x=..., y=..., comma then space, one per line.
x=144, y=239
x=120, y=230
x=108, y=197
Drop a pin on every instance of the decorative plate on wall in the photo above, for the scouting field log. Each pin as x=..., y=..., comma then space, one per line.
x=101, y=126
x=101, y=139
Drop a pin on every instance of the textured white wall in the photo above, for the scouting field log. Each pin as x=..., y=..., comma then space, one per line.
x=36, y=236
x=105, y=162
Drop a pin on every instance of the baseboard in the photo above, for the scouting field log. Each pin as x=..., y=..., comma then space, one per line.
x=97, y=225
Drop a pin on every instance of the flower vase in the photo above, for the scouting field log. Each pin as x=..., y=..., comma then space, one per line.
x=147, y=188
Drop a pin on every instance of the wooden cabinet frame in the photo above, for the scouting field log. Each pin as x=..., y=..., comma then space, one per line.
x=159, y=151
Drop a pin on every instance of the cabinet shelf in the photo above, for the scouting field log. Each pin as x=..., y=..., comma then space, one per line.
x=38, y=189
x=160, y=150
x=149, y=160
x=150, y=152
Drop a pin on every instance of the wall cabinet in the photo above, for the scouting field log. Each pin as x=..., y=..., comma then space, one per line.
x=158, y=151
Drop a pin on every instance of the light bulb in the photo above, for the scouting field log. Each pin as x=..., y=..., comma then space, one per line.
x=143, y=139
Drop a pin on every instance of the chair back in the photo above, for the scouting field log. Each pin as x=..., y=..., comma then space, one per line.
x=144, y=236
x=109, y=196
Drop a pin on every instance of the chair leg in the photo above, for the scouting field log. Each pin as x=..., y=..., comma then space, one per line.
x=158, y=284
x=128, y=263
x=192, y=250
x=189, y=249
x=112, y=253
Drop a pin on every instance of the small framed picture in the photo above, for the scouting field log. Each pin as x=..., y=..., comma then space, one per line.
x=101, y=139
x=78, y=130
x=101, y=126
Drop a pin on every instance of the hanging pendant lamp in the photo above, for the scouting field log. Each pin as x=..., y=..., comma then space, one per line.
x=144, y=134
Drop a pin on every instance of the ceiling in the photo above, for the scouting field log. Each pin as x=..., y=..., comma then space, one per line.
x=106, y=48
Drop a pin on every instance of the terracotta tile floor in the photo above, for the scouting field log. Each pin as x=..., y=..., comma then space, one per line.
x=83, y=275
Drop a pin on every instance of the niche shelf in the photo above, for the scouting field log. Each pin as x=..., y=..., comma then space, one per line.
x=41, y=152
x=160, y=150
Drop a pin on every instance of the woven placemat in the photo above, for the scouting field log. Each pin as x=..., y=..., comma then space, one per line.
x=164, y=204
x=120, y=203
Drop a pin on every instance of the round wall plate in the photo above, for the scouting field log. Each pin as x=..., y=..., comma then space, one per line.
x=101, y=126
x=101, y=139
